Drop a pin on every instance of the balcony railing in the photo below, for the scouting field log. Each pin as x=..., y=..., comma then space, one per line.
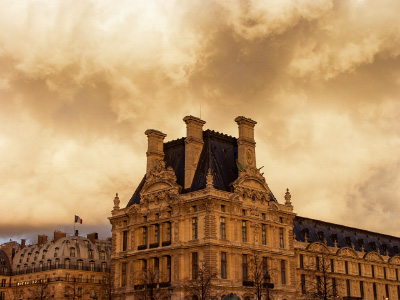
x=58, y=279
x=154, y=245
x=62, y=266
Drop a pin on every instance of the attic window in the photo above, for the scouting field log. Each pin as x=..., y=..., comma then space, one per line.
x=372, y=245
x=320, y=236
x=347, y=240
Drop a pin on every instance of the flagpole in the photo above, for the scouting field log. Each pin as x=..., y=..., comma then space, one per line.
x=74, y=227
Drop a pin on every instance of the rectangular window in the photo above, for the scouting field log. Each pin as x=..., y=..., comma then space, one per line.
x=243, y=212
x=169, y=267
x=157, y=233
x=244, y=267
x=124, y=240
x=194, y=228
x=264, y=234
x=387, y=290
x=144, y=236
x=384, y=272
x=348, y=287
x=397, y=274
x=319, y=287
x=263, y=216
x=265, y=269
x=283, y=272
x=244, y=231
x=3, y=282
x=301, y=261
x=223, y=228
x=93, y=279
x=303, y=283
x=223, y=208
x=332, y=266
x=362, y=289
x=223, y=265
x=373, y=271
x=334, y=290
x=317, y=263
x=195, y=265
x=281, y=238
x=359, y=269
x=346, y=267
x=375, y=291
x=194, y=207
x=123, y=274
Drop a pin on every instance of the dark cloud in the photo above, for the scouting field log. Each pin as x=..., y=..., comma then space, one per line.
x=81, y=82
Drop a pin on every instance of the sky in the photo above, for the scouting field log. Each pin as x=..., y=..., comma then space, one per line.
x=81, y=81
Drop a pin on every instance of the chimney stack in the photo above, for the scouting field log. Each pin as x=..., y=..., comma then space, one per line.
x=93, y=237
x=42, y=239
x=23, y=241
x=58, y=235
x=246, y=142
x=155, y=149
x=193, y=146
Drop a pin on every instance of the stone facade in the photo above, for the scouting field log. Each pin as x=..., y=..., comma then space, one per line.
x=203, y=201
x=73, y=267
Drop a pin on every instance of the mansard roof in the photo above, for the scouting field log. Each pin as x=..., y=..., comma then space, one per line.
x=320, y=231
x=219, y=154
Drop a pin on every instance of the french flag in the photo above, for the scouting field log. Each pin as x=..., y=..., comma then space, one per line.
x=78, y=220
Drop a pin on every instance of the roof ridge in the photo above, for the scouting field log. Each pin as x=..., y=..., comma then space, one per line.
x=217, y=134
x=349, y=227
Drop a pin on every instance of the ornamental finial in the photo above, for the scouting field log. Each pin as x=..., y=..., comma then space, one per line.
x=288, y=197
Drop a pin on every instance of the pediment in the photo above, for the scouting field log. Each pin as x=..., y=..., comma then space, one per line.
x=251, y=184
x=318, y=247
x=157, y=186
x=346, y=251
x=373, y=256
x=395, y=260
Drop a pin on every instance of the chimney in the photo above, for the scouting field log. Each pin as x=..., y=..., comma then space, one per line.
x=58, y=235
x=93, y=237
x=23, y=243
x=193, y=146
x=155, y=149
x=42, y=239
x=246, y=142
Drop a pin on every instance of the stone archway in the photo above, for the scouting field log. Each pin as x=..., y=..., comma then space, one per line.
x=231, y=296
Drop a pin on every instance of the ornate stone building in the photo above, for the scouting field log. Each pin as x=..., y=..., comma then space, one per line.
x=204, y=203
x=72, y=267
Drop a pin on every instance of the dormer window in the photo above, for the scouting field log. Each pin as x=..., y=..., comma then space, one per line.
x=29, y=257
x=56, y=252
x=36, y=255
x=72, y=252
x=44, y=254
x=90, y=253
x=372, y=245
x=347, y=240
x=102, y=255
x=320, y=235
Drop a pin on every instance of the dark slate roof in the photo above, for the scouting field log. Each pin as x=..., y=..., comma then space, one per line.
x=219, y=154
x=345, y=236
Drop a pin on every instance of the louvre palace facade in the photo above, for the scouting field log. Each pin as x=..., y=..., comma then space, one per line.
x=66, y=267
x=204, y=207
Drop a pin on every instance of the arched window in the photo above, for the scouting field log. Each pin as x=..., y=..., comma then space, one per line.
x=49, y=264
x=57, y=263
